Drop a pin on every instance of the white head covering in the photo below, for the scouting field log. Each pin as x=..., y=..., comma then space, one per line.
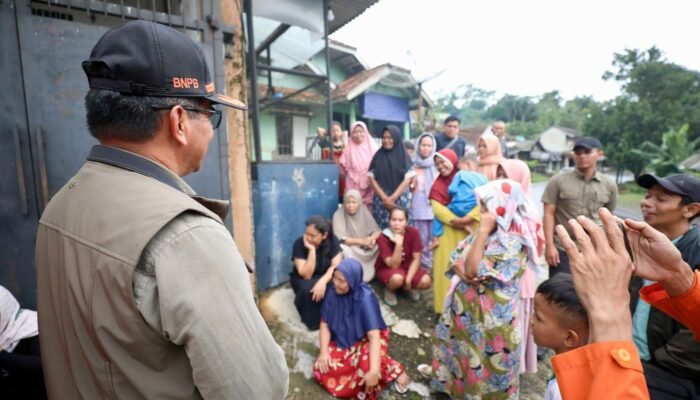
x=15, y=324
x=359, y=225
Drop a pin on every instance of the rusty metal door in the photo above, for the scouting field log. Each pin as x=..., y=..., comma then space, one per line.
x=44, y=135
x=18, y=211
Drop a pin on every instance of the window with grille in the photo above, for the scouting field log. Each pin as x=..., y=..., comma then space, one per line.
x=285, y=132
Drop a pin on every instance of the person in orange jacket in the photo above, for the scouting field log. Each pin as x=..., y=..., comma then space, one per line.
x=601, y=265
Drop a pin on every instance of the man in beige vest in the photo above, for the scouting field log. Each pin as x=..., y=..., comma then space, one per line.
x=142, y=291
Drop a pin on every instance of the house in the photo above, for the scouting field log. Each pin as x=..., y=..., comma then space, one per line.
x=692, y=162
x=300, y=79
x=553, y=147
x=293, y=94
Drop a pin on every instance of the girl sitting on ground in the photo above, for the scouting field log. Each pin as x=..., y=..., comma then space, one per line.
x=399, y=262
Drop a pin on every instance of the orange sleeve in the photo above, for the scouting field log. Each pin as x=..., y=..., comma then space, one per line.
x=684, y=308
x=605, y=370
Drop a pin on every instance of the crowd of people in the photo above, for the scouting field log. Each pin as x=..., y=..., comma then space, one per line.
x=431, y=214
x=142, y=293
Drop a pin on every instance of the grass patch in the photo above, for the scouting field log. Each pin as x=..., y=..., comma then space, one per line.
x=630, y=195
x=537, y=177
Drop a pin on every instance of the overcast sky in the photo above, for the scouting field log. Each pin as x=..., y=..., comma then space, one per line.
x=522, y=47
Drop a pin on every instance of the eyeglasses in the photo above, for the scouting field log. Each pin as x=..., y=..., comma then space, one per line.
x=213, y=114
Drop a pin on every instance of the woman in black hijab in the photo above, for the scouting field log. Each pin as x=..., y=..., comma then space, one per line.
x=390, y=174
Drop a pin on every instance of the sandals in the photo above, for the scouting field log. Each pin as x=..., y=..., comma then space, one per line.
x=390, y=297
x=425, y=370
x=400, y=389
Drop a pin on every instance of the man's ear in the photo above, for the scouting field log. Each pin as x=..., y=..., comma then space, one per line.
x=691, y=210
x=177, y=128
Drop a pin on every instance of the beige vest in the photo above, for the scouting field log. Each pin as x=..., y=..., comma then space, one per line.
x=94, y=342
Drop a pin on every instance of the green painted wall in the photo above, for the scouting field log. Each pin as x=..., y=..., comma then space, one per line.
x=353, y=112
x=337, y=74
x=285, y=80
x=388, y=90
x=268, y=135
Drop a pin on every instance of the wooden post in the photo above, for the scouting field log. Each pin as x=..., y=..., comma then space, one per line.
x=238, y=134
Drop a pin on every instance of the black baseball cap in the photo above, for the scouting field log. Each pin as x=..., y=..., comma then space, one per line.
x=680, y=184
x=144, y=58
x=588, y=143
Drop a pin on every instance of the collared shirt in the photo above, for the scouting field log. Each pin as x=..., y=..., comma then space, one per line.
x=640, y=318
x=573, y=194
x=443, y=140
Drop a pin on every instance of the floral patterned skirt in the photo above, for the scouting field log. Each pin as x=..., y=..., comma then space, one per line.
x=477, y=344
x=348, y=366
x=381, y=214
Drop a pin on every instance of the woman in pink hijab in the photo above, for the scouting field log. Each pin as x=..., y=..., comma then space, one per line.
x=355, y=161
x=518, y=171
x=489, y=150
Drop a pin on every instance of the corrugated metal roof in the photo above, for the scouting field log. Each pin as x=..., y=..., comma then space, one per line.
x=347, y=10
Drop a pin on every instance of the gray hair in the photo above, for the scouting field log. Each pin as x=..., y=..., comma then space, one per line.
x=111, y=114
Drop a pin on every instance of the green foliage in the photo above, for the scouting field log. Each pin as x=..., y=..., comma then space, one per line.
x=674, y=148
x=512, y=108
x=532, y=164
x=467, y=102
x=657, y=96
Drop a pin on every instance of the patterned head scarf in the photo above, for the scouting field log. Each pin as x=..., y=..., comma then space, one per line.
x=514, y=214
x=518, y=171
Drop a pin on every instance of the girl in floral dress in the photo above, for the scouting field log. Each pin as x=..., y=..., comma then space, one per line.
x=477, y=342
x=353, y=361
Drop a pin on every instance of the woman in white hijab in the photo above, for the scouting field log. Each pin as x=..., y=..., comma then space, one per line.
x=358, y=231
x=21, y=375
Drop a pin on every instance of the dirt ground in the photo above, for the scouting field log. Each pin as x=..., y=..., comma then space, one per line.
x=301, y=346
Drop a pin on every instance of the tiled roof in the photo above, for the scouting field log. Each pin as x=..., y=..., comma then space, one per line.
x=305, y=97
x=345, y=87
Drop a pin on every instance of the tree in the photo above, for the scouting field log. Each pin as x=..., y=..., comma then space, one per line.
x=510, y=108
x=467, y=102
x=657, y=96
x=666, y=158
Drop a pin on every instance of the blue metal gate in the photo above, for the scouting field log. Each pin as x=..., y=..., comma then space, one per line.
x=284, y=196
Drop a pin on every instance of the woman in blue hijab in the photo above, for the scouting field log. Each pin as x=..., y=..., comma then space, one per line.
x=354, y=340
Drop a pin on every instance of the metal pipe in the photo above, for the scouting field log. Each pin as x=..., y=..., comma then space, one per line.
x=43, y=176
x=326, y=31
x=22, y=186
x=289, y=71
x=271, y=38
x=253, y=76
x=281, y=99
x=270, y=88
